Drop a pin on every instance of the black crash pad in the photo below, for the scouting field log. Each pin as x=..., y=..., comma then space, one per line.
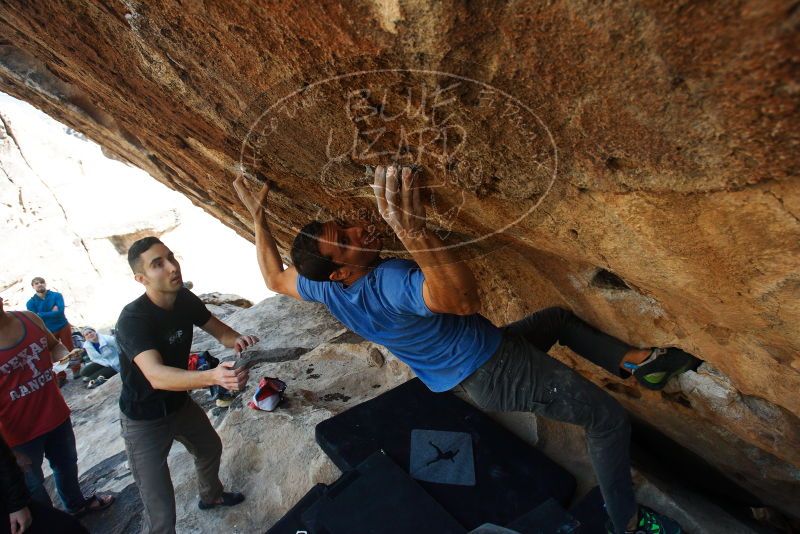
x=547, y=518
x=591, y=512
x=376, y=498
x=511, y=477
x=292, y=522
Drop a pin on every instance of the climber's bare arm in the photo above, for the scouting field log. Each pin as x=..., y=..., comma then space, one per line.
x=449, y=285
x=278, y=279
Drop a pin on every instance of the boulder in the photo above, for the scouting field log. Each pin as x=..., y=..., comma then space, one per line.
x=273, y=457
x=633, y=161
x=219, y=299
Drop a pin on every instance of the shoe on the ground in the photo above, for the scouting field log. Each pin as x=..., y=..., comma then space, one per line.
x=663, y=364
x=224, y=398
x=228, y=499
x=95, y=503
x=86, y=379
x=99, y=381
x=223, y=402
x=650, y=522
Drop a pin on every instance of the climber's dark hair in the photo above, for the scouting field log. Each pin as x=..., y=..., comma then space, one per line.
x=307, y=258
x=138, y=248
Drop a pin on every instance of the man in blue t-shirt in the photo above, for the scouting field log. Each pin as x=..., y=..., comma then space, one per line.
x=49, y=305
x=426, y=312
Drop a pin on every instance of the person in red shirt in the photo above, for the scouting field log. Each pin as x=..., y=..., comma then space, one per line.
x=34, y=419
x=25, y=515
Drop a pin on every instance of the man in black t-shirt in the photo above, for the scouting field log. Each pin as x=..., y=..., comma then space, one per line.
x=154, y=333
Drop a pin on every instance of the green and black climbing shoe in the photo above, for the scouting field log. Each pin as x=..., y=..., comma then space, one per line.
x=663, y=364
x=651, y=522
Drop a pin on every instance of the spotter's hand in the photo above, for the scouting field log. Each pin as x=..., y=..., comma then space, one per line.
x=242, y=342
x=229, y=378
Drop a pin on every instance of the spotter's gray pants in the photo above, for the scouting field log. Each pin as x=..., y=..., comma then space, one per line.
x=148, y=442
x=522, y=377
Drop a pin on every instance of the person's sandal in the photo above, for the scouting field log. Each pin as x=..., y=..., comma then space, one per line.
x=663, y=364
x=99, y=381
x=228, y=499
x=99, y=504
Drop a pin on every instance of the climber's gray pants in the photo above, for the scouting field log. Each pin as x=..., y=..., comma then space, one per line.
x=522, y=377
x=148, y=443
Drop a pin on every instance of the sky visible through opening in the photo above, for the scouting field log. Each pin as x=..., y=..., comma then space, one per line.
x=61, y=204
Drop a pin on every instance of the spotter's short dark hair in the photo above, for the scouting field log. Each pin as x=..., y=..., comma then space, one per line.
x=138, y=248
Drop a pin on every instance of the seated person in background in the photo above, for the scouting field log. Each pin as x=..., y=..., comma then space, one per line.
x=104, y=353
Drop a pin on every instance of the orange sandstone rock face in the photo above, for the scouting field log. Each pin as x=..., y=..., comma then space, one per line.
x=636, y=162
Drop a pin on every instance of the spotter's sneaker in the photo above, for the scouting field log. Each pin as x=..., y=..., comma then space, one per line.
x=663, y=364
x=224, y=398
x=651, y=522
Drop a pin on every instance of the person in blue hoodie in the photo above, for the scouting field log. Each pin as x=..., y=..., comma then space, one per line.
x=49, y=305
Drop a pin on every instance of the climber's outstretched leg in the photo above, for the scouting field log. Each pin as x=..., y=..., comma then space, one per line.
x=521, y=377
x=652, y=367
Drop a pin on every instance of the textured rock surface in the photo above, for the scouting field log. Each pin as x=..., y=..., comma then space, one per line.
x=219, y=299
x=273, y=458
x=675, y=127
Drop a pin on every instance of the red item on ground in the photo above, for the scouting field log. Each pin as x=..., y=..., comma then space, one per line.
x=30, y=401
x=268, y=394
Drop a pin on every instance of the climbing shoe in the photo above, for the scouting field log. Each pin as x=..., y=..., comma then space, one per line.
x=99, y=381
x=228, y=499
x=663, y=364
x=650, y=522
